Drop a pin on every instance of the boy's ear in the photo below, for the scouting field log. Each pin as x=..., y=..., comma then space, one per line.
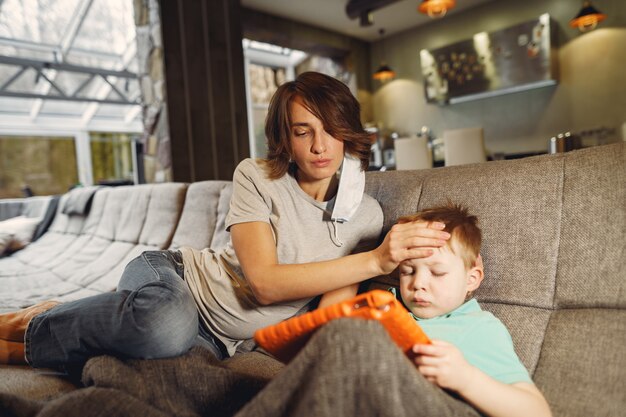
x=475, y=277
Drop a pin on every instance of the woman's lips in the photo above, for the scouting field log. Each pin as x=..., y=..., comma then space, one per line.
x=322, y=163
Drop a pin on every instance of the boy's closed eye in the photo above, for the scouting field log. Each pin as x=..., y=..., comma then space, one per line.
x=438, y=273
x=405, y=269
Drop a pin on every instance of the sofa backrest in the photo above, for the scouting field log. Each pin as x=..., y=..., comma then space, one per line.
x=40, y=209
x=69, y=224
x=10, y=207
x=85, y=253
x=31, y=207
x=554, y=229
x=201, y=223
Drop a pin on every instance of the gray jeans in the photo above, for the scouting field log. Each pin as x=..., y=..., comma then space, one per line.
x=152, y=314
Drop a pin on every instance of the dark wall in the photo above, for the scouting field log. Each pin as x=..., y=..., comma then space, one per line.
x=263, y=27
x=206, y=97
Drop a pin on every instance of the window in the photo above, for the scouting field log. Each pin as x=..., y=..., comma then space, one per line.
x=112, y=158
x=264, y=80
x=267, y=67
x=46, y=165
x=68, y=68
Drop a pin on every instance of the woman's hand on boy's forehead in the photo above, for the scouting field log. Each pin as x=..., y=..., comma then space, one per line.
x=409, y=240
x=422, y=234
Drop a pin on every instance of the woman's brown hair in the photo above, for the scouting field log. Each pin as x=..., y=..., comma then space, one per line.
x=331, y=102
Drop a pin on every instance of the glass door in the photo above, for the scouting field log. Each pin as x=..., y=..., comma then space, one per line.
x=266, y=68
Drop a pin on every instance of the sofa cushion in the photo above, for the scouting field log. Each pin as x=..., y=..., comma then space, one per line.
x=58, y=243
x=221, y=237
x=164, y=210
x=581, y=370
x=36, y=207
x=86, y=255
x=20, y=229
x=79, y=200
x=202, y=218
x=592, y=253
x=518, y=204
x=5, y=239
x=10, y=207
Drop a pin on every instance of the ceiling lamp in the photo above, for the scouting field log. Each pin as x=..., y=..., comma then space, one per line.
x=384, y=72
x=436, y=9
x=588, y=18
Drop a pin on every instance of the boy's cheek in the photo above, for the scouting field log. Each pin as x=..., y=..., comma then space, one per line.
x=404, y=282
x=406, y=295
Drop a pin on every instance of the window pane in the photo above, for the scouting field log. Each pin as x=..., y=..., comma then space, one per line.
x=264, y=80
x=111, y=158
x=258, y=118
x=45, y=164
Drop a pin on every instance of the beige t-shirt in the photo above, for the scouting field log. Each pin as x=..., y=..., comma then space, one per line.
x=303, y=233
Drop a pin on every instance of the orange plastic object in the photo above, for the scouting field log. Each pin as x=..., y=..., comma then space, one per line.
x=285, y=339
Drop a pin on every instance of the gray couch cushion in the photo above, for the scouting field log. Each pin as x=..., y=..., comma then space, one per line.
x=85, y=255
x=78, y=200
x=164, y=210
x=592, y=249
x=528, y=191
x=201, y=223
x=10, y=207
x=582, y=366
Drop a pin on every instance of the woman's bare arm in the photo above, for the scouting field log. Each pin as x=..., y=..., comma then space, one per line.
x=272, y=282
x=338, y=295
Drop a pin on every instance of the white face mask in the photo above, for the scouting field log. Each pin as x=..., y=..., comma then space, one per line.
x=350, y=191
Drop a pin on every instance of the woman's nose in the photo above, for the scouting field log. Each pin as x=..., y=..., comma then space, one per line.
x=318, y=146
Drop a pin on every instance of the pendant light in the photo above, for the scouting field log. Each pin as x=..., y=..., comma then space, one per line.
x=588, y=18
x=436, y=9
x=384, y=72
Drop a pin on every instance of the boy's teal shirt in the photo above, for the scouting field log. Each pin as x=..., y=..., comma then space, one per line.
x=484, y=341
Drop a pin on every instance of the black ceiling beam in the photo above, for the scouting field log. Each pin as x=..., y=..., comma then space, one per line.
x=357, y=8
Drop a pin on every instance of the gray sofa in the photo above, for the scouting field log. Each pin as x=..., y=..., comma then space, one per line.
x=35, y=214
x=33, y=207
x=554, y=238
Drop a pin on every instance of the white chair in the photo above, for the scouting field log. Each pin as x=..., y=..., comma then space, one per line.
x=464, y=146
x=412, y=153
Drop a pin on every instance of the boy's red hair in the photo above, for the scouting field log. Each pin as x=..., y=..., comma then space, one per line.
x=463, y=227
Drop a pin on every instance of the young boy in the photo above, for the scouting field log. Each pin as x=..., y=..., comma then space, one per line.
x=472, y=352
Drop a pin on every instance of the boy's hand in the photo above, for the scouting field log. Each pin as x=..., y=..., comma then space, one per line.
x=443, y=364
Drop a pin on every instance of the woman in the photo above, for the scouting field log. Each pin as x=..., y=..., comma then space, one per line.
x=297, y=231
